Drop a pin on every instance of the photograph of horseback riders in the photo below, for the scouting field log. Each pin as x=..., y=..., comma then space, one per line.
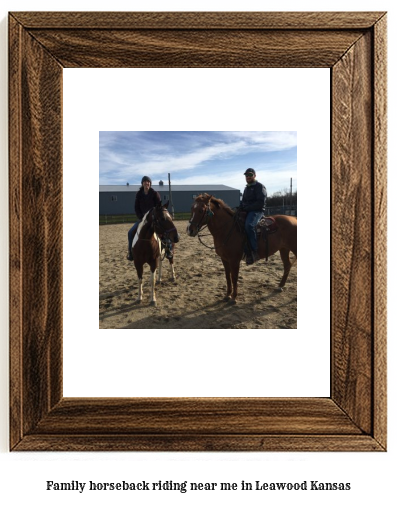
x=198, y=229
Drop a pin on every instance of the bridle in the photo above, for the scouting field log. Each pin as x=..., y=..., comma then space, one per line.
x=206, y=213
x=157, y=225
x=163, y=233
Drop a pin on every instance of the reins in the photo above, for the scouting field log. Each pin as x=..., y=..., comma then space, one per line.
x=209, y=213
x=203, y=236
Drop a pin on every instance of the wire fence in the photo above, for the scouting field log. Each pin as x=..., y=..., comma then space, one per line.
x=131, y=219
x=282, y=210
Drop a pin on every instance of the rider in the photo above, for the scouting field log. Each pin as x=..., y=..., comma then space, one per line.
x=254, y=203
x=146, y=198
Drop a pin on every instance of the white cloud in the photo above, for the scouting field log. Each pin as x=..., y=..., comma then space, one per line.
x=190, y=155
x=274, y=180
x=190, y=160
x=267, y=141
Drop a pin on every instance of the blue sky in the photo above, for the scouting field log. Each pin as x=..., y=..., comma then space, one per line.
x=199, y=158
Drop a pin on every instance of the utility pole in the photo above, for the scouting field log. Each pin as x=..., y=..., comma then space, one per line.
x=169, y=187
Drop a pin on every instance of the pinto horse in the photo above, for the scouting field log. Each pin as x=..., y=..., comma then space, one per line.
x=230, y=239
x=155, y=233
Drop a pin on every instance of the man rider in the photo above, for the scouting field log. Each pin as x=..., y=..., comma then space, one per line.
x=254, y=203
x=146, y=199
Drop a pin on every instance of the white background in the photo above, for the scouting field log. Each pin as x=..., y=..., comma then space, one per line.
x=23, y=476
x=266, y=361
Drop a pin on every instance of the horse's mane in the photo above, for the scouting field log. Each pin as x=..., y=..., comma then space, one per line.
x=221, y=204
x=140, y=226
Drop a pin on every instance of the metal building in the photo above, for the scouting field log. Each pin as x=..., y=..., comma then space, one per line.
x=120, y=199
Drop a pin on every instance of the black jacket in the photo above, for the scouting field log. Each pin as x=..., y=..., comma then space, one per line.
x=143, y=203
x=254, y=197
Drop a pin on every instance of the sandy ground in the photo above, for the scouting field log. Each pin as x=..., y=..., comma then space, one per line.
x=195, y=299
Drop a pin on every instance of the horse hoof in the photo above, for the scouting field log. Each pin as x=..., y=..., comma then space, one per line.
x=232, y=301
x=153, y=303
x=173, y=279
x=138, y=301
x=280, y=289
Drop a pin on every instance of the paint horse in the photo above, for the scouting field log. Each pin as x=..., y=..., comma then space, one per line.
x=156, y=233
x=229, y=238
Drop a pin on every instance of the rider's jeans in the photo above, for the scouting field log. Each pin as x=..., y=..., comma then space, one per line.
x=251, y=221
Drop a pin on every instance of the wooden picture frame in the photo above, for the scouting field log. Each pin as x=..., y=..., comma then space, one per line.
x=353, y=46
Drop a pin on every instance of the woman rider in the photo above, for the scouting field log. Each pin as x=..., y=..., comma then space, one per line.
x=146, y=198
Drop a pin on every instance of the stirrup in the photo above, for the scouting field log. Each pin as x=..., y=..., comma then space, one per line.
x=251, y=258
x=129, y=256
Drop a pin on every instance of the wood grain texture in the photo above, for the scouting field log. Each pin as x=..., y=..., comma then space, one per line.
x=380, y=229
x=353, y=45
x=36, y=230
x=15, y=242
x=202, y=20
x=199, y=443
x=301, y=416
x=352, y=232
x=196, y=48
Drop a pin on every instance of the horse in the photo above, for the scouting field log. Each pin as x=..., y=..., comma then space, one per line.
x=230, y=238
x=156, y=233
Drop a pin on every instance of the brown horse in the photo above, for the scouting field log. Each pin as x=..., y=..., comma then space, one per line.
x=229, y=238
x=155, y=233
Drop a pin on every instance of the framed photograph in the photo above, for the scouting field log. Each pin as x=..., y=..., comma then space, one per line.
x=353, y=46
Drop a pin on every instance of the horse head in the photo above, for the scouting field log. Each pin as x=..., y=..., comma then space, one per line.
x=201, y=213
x=163, y=224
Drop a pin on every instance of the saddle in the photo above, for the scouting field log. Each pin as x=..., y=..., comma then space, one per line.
x=265, y=226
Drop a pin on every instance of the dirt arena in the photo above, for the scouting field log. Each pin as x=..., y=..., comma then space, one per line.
x=195, y=299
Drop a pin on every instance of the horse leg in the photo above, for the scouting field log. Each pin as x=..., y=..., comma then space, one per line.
x=152, y=287
x=293, y=247
x=160, y=271
x=284, y=253
x=139, y=270
x=140, y=283
x=235, y=268
x=226, y=265
x=172, y=269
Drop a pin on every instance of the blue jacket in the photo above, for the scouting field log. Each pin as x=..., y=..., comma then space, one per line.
x=254, y=197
